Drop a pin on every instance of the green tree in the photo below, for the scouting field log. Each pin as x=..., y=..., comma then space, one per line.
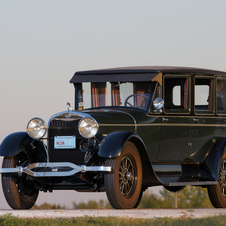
x=194, y=197
x=190, y=197
x=92, y=204
x=150, y=200
x=48, y=206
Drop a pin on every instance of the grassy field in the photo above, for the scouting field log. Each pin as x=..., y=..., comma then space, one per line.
x=114, y=221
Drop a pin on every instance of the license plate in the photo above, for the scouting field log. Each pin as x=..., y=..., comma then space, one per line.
x=64, y=142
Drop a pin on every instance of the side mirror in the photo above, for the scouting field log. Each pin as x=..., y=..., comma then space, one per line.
x=158, y=104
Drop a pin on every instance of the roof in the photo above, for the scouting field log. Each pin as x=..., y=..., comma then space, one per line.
x=145, y=73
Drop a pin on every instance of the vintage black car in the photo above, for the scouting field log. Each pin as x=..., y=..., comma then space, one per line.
x=131, y=128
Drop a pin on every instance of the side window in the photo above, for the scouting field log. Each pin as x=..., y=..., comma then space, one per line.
x=221, y=94
x=158, y=91
x=204, y=98
x=176, y=94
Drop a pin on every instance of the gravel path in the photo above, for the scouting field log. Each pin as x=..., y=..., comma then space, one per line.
x=134, y=213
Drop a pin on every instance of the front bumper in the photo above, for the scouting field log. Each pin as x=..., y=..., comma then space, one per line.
x=55, y=169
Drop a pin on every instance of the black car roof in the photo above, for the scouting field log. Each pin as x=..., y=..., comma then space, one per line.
x=144, y=73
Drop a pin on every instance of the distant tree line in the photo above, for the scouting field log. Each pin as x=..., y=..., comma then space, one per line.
x=190, y=197
x=92, y=204
x=48, y=206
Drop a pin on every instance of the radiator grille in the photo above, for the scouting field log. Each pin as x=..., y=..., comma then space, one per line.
x=64, y=128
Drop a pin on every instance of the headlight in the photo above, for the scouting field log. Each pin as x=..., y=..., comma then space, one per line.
x=36, y=128
x=88, y=127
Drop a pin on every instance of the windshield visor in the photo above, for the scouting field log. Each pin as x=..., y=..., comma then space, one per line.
x=115, y=94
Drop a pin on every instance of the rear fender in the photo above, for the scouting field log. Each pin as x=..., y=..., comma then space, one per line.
x=212, y=162
x=21, y=141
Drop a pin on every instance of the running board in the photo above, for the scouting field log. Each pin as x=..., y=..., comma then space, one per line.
x=193, y=183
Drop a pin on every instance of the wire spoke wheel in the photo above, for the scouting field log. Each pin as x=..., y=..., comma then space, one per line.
x=223, y=178
x=127, y=176
x=217, y=193
x=124, y=184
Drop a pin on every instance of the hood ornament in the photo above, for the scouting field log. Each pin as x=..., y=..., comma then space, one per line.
x=69, y=108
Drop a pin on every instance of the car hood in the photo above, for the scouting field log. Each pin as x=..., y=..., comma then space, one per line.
x=109, y=120
x=109, y=116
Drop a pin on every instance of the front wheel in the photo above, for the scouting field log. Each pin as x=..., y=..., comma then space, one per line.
x=18, y=191
x=124, y=184
x=217, y=193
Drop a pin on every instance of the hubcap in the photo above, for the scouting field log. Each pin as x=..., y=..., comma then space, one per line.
x=223, y=178
x=127, y=175
x=24, y=186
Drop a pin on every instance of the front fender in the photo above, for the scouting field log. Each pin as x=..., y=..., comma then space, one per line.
x=21, y=141
x=12, y=144
x=112, y=146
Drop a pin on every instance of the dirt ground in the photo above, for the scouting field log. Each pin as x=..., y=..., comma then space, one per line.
x=134, y=213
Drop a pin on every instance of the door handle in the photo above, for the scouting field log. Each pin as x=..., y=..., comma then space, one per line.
x=195, y=120
x=165, y=119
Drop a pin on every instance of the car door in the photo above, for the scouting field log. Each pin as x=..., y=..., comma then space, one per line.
x=203, y=122
x=176, y=121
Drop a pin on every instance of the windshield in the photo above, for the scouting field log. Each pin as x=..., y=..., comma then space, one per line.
x=115, y=94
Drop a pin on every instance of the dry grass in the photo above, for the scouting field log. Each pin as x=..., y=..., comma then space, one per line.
x=114, y=221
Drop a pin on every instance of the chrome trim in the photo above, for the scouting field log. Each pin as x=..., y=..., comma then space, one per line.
x=55, y=167
x=69, y=108
x=69, y=114
x=47, y=153
x=182, y=124
x=118, y=125
x=11, y=170
x=193, y=183
x=35, y=138
x=195, y=125
x=94, y=121
x=166, y=124
x=158, y=103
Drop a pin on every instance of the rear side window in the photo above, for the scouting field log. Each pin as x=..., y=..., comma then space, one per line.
x=221, y=96
x=176, y=94
x=204, y=98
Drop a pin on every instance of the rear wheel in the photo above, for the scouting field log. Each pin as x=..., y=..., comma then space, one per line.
x=124, y=184
x=217, y=193
x=18, y=191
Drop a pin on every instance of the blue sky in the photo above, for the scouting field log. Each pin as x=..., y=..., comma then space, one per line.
x=42, y=44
